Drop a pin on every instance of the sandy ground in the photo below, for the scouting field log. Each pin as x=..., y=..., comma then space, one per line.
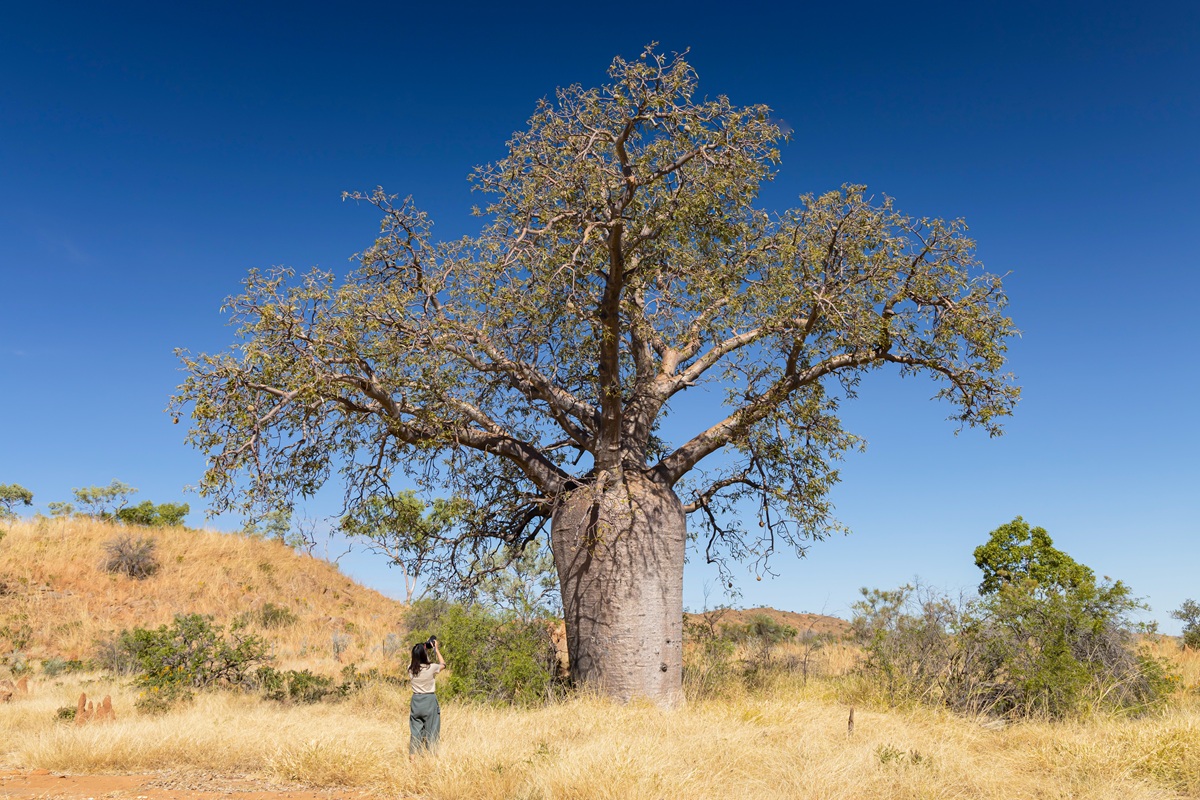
x=40, y=783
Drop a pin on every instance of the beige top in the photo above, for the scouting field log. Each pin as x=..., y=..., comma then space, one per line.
x=422, y=682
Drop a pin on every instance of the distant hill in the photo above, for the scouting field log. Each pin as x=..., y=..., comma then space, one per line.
x=816, y=624
x=56, y=599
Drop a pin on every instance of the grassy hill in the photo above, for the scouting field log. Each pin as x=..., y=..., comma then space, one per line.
x=803, y=624
x=56, y=598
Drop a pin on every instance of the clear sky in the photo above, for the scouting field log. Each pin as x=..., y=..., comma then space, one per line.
x=152, y=153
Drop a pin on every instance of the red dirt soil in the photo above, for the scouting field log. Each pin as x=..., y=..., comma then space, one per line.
x=41, y=783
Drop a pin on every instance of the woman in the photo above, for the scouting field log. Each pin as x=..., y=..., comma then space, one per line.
x=424, y=717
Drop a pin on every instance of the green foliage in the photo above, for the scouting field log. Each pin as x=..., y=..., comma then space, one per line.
x=913, y=651
x=131, y=555
x=274, y=524
x=1044, y=639
x=304, y=686
x=160, y=699
x=1189, y=614
x=1015, y=553
x=292, y=686
x=60, y=510
x=524, y=584
x=403, y=529
x=104, y=502
x=65, y=713
x=759, y=629
x=191, y=652
x=55, y=666
x=708, y=668
x=274, y=616
x=11, y=496
x=112, y=503
x=492, y=656
x=150, y=515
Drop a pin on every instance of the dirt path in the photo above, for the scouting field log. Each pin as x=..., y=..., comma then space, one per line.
x=41, y=784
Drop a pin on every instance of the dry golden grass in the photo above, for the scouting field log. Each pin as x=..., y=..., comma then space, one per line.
x=786, y=742
x=56, y=586
x=786, y=738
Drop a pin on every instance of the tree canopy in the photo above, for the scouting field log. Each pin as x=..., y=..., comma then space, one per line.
x=622, y=264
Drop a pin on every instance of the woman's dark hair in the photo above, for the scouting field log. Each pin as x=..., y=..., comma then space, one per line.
x=420, y=657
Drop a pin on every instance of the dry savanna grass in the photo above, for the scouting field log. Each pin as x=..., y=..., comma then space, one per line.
x=784, y=736
x=785, y=742
x=55, y=593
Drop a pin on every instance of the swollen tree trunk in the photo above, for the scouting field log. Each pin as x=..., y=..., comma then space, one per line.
x=619, y=547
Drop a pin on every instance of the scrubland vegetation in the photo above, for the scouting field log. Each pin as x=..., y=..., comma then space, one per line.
x=767, y=716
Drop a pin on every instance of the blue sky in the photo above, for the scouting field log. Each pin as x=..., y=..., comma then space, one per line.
x=150, y=154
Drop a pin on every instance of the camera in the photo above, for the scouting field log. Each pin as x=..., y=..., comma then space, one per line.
x=432, y=643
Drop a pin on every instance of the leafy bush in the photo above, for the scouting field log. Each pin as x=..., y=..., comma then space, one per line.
x=271, y=616
x=303, y=686
x=1189, y=615
x=760, y=629
x=191, y=652
x=493, y=656
x=55, y=666
x=131, y=555
x=1043, y=639
x=149, y=515
x=295, y=686
x=708, y=668
x=913, y=651
x=164, y=698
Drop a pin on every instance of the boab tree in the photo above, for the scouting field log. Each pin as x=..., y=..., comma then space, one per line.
x=621, y=265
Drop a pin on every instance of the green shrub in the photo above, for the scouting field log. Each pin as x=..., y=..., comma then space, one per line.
x=65, y=713
x=760, y=629
x=149, y=515
x=131, y=555
x=292, y=686
x=295, y=686
x=1189, y=615
x=190, y=652
x=1043, y=639
x=162, y=698
x=55, y=666
x=493, y=656
x=708, y=667
x=271, y=616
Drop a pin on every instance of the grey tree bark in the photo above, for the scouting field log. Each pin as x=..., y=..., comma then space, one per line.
x=619, y=548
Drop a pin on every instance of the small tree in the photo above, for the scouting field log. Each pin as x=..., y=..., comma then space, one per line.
x=274, y=524
x=60, y=510
x=1015, y=553
x=11, y=496
x=147, y=514
x=525, y=586
x=1189, y=615
x=104, y=502
x=401, y=528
